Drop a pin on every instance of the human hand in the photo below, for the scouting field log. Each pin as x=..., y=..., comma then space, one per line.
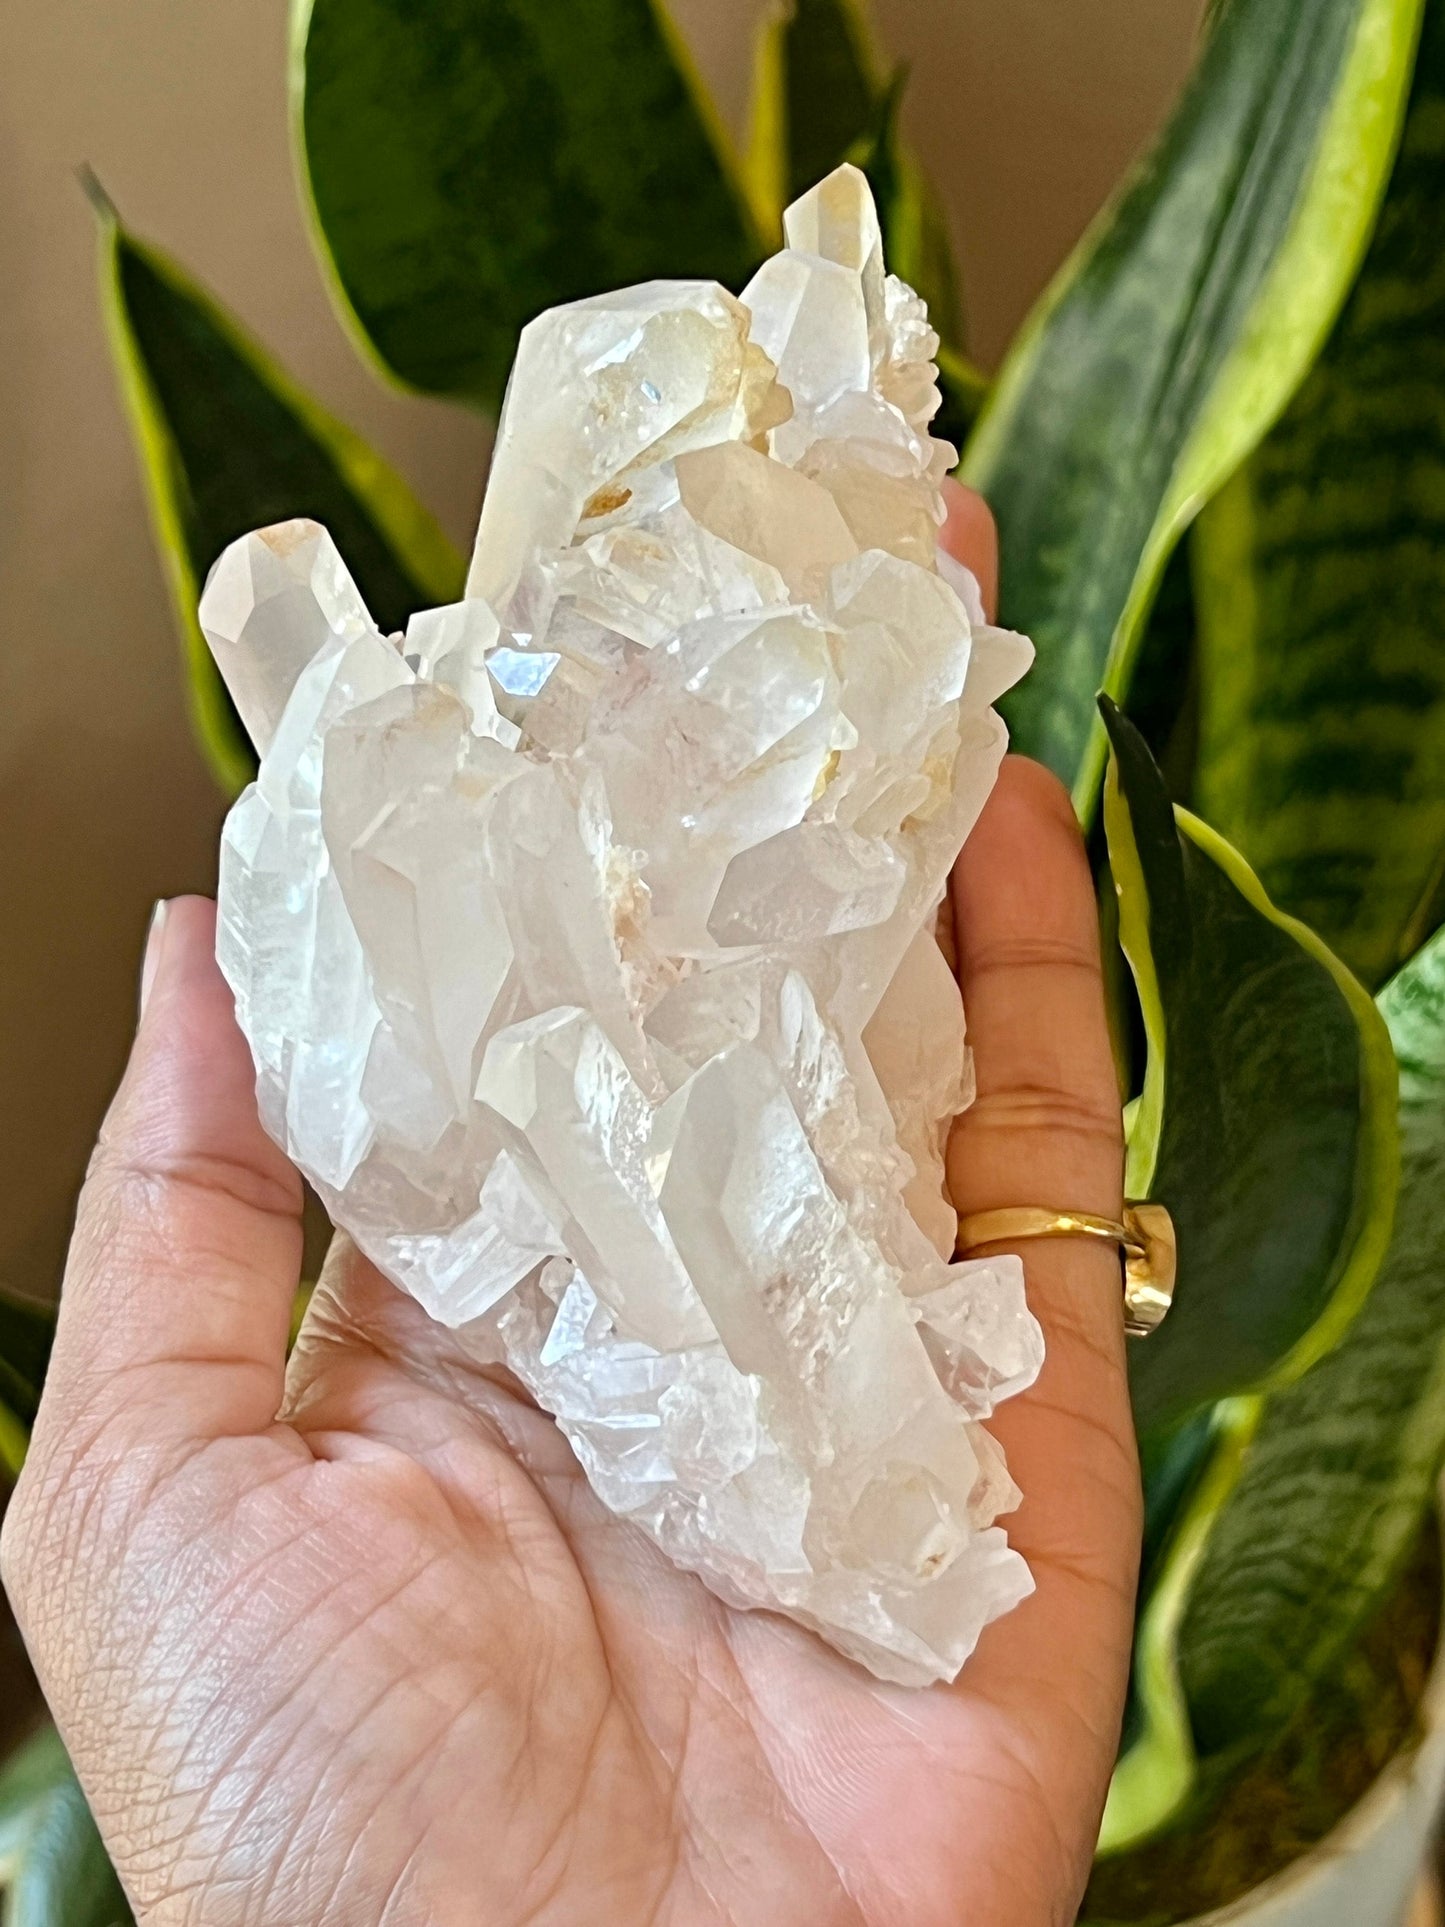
x=384, y=1659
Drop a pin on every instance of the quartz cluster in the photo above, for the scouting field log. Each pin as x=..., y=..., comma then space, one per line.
x=584, y=935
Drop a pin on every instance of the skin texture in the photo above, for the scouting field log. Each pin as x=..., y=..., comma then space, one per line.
x=384, y=1659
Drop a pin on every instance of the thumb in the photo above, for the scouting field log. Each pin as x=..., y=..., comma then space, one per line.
x=187, y=1244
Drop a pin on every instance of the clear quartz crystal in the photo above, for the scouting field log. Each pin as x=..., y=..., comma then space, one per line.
x=583, y=935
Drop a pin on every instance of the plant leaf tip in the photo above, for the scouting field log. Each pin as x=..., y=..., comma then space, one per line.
x=102, y=205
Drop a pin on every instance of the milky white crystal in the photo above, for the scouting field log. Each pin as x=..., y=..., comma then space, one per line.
x=583, y=935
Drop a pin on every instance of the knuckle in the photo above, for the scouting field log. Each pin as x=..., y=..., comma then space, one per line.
x=126, y=1180
x=1050, y=1110
x=1046, y=793
x=1035, y=950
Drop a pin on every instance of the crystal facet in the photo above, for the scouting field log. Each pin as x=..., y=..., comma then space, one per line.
x=583, y=935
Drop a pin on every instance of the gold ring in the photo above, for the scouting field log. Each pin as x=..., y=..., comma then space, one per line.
x=1145, y=1235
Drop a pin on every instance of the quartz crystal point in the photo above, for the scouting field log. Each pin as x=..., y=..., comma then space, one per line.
x=583, y=935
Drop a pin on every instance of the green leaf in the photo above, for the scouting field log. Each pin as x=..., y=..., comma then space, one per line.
x=227, y=444
x=1173, y=1465
x=1267, y=1120
x=832, y=87
x=1176, y=334
x=1164, y=686
x=1343, y=1466
x=472, y=162
x=818, y=94
x=1288, y=1555
x=1320, y=575
x=14, y=1442
x=54, y=1871
x=1156, y=1772
x=27, y=1327
x=819, y=98
x=27, y=1331
x=765, y=156
x=915, y=228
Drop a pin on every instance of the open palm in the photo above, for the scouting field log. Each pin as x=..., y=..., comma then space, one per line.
x=385, y=1659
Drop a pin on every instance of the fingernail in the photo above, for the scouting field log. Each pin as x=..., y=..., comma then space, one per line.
x=155, y=943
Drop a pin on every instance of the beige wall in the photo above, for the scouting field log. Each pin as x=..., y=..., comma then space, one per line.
x=1026, y=110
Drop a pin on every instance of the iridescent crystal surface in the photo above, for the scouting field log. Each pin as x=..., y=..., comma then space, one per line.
x=583, y=935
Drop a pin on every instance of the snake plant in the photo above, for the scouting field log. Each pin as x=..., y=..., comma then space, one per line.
x=1216, y=453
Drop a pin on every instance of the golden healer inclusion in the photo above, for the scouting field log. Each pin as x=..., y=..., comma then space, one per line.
x=583, y=934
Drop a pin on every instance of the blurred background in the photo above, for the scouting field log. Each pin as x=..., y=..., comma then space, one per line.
x=1024, y=112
